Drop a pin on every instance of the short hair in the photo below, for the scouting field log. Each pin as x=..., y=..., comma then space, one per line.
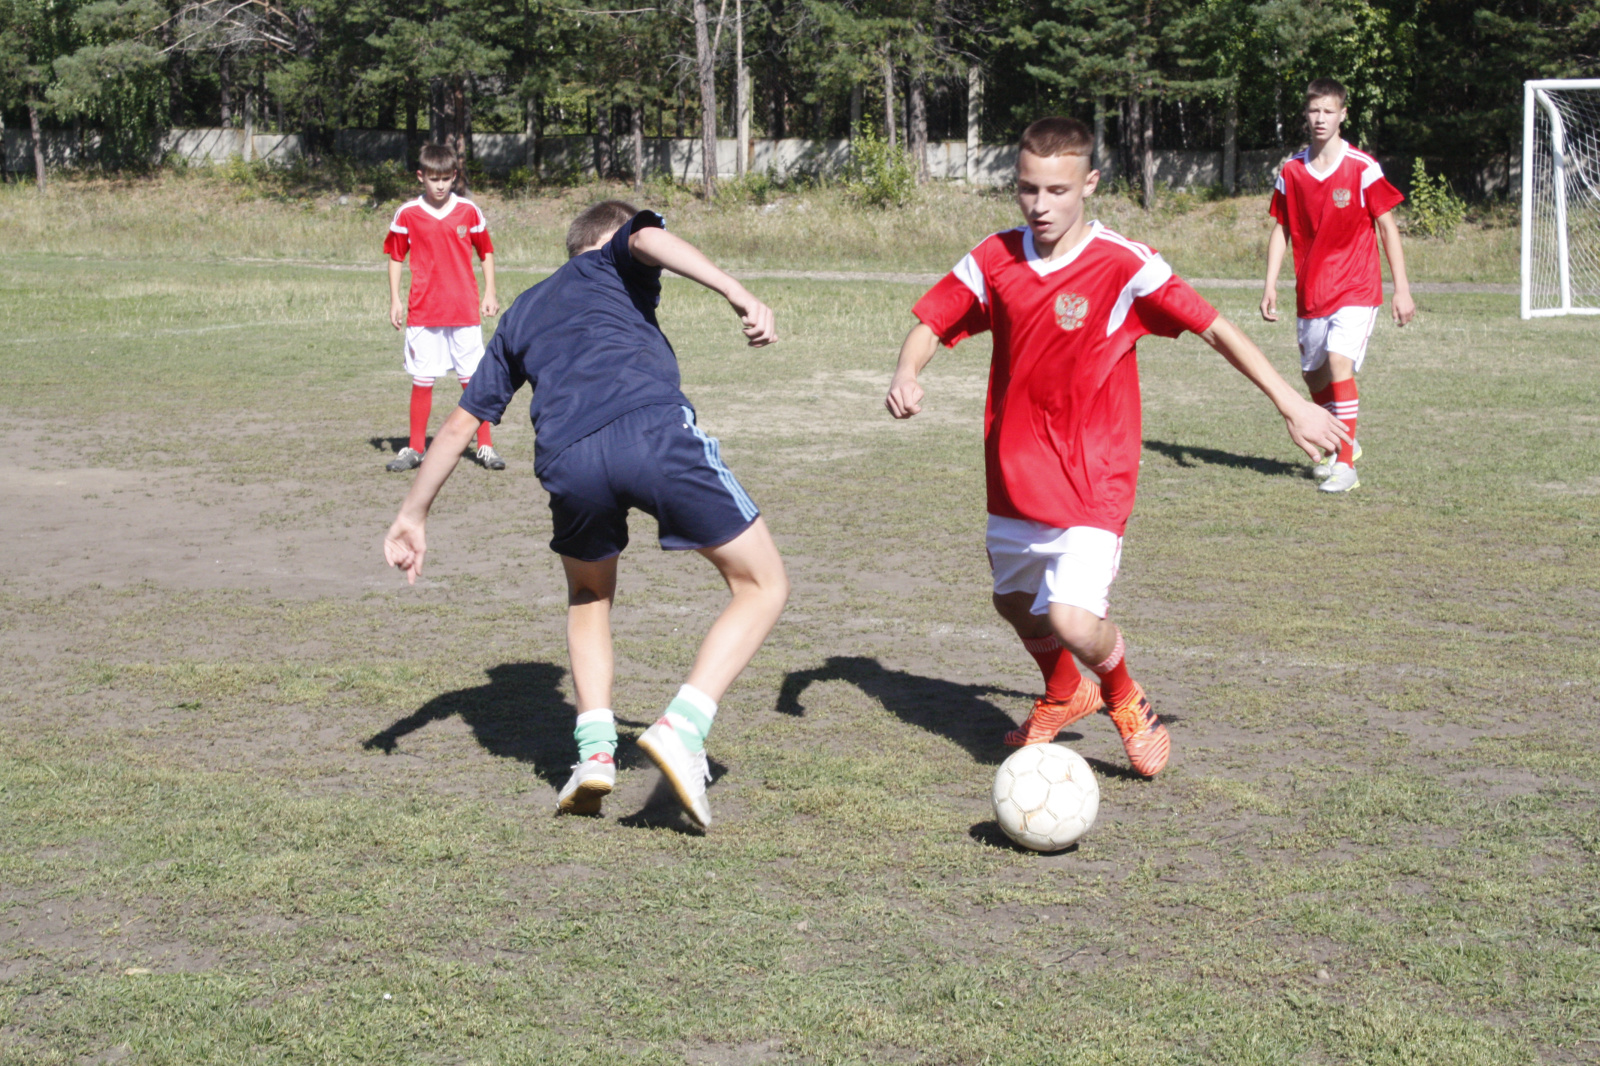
x=1057, y=135
x=595, y=222
x=1325, y=87
x=438, y=159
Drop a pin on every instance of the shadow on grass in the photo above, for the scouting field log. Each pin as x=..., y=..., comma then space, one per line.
x=520, y=714
x=388, y=445
x=991, y=834
x=963, y=713
x=1187, y=455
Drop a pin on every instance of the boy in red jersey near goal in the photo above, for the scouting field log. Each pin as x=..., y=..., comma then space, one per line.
x=441, y=323
x=1067, y=299
x=1327, y=200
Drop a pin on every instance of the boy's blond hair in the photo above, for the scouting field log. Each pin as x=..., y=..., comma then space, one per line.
x=595, y=222
x=1057, y=135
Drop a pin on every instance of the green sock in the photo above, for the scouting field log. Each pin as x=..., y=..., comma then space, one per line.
x=691, y=713
x=596, y=733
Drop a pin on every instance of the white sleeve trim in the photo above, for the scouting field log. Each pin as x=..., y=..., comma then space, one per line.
x=483, y=223
x=1154, y=274
x=971, y=276
x=1372, y=173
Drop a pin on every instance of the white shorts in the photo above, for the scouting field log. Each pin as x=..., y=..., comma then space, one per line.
x=1073, y=566
x=1344, y=332
x=433, y=351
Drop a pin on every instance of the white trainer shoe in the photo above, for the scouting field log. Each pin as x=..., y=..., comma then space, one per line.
x=591, y=781
x=687, y=772
x=1343, y=479
x=490, y=458
x=1324, y=469
x=404, y=459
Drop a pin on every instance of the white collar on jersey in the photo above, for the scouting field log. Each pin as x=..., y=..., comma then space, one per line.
x=442, y=212
x=1046, y=267
x=1344, y=147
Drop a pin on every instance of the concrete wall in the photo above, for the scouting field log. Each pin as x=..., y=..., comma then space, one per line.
x=500, y=153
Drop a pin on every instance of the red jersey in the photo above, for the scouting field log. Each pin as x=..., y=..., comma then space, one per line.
x=1061, y=430
x=1329, y=219
x=444, y=290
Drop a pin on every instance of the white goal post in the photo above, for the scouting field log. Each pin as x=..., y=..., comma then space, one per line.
x=1561, y=197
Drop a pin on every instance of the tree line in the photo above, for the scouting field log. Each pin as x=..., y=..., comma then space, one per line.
x=1435, y=78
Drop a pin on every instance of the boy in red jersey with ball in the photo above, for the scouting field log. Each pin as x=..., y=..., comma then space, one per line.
x=1327, y=200
x=443, y=330
x=1067, y=299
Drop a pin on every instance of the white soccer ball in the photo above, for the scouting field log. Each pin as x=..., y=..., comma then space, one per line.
x=1045, y=797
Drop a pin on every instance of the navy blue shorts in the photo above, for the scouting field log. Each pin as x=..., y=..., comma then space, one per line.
x=655, y=459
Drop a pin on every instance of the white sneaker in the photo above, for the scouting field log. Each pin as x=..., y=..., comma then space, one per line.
x=1324, y=469
x=591, y=781
x=1343, y=479
x=404, y=459
x=687, y=773
x=490, y=458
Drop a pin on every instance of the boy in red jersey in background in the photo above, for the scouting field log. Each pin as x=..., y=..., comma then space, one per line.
x=1067, y=299
x=443, y=330
x=1327, y=200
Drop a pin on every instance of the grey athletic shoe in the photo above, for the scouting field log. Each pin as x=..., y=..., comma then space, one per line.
x=1343, y=479
x=490, y=458
x=687, y=772
x=1324, y=469
x=405, y=459
x=591, y=781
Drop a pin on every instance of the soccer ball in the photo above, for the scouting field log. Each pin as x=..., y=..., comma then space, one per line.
x=1045, y=797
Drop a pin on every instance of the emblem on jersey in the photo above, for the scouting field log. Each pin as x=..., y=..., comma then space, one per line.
x=1071, y=310
x=461, y=231
x=1341, y=197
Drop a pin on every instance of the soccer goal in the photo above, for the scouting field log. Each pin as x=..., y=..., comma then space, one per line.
x=1561, y=197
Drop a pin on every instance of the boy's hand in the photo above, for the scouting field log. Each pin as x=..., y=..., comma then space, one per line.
x=491, y=305
x=1313, y=428
x=1405, y=308
x=397, y=314
x=404, y=546
x=905, y=396
x=760, y=324
x=1269, y=305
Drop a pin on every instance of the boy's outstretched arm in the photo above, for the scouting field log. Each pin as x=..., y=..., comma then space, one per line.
x=1277, y=244
x=1313, y=429
x=406, y=544
x=905, y=395
x=1389, y=235
x=658, y=248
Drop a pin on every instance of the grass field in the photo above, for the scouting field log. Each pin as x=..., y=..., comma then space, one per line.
x=260, y=802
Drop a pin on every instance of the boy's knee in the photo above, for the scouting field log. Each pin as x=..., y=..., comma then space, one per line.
x=1077, y=628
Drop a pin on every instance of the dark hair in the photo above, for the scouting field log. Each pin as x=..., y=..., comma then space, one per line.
x=1057, y=135
x=595, y=222
x=1325, y=87
x=438, y=159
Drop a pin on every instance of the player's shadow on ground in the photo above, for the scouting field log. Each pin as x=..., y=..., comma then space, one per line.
x=388, y=445
x=1188, y=455
x=964, y=713
x=520, y=714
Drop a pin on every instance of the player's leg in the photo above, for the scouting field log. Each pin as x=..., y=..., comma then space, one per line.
x=466, y=352
x=1018, y=575
x=426, y=359
x=589, y=531
x=591, y=588
x=677, y=474
x=1349, y=331
x=1083, y=564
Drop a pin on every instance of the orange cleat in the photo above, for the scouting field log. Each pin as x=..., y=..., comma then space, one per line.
x=1144, y=736
x=1050, y=717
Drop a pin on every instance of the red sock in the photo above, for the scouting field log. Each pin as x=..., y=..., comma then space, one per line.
x=1061, y=677
x=1323, y=397
x=484, y=440
x=1116, y=684
x=421, y=408
x=1346, y=405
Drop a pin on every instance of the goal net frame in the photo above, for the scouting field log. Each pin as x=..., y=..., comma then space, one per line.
x=1548, y=174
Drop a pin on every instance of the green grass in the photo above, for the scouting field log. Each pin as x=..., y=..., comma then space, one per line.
x=242, y=756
